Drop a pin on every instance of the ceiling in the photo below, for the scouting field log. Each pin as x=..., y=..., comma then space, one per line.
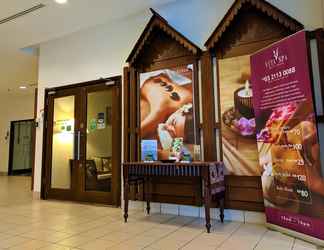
x=20, y=68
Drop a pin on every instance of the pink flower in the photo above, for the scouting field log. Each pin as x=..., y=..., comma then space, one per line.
x=245, y=126
x=282, y=113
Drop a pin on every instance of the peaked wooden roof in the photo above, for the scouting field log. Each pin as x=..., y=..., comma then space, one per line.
x=261, y=6
x=158, y=22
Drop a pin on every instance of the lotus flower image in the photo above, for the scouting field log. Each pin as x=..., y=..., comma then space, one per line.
x=245, y=126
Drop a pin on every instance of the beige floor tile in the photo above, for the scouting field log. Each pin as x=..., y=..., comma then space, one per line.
x=5, y=227
x=4, y=236
x=47, y=235
x=182, y=236
x=242, y=242
x=75, y=241
x=97, y=244
x=275, y=240
x=18, y=230
x=170, y=242
x=208, y=241
x=303, y=245
x=200, y=247
x=32, y=224
x=97, y=232
x=138, y=229
x=245, y=236
x=12, y=241
x=274, y=246
x=31, y=245
x=226, y=227
x=166, y=246
x=250, y=229
x=156, y=218
x=157, y=232
x=141, y=241
x=180, y=220
x=55, y=247
x=168, y=228
x=118, y=236
x=125, y=246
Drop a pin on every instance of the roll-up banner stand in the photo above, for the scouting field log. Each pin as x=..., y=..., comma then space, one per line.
x=287, y=138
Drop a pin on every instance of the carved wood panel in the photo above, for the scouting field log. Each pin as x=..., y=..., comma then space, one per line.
x=248, y=33
x=161, y=47
x=248, y=26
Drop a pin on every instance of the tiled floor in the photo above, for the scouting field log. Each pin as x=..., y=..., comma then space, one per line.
x=29, y=224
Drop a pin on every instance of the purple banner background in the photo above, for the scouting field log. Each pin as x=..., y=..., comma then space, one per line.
x=297, y=222
x=281, y=80
x=293, y=51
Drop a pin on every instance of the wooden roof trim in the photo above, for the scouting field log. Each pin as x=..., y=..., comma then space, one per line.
x=261, y=5
x=159, y=22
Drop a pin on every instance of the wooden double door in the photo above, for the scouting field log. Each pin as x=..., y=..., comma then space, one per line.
x=83, y=149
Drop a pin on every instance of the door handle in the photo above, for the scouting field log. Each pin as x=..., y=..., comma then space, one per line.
x=78, y=145
x=75, y=154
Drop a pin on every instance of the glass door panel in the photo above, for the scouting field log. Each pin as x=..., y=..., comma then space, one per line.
x=98, y=167
x=63, y=142
x=21, y=147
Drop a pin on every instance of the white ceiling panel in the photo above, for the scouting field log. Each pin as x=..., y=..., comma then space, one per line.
x=50, y=22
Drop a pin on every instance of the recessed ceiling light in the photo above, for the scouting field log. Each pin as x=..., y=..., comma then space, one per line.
x=23, y=87
x=61, y=1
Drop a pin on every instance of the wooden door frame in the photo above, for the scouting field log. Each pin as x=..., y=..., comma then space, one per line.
x=46, y=115
x=11, y=145
x=116, y=139
x=34, y=138
x=64, y=194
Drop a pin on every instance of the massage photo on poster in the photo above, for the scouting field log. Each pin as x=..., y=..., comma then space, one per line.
x=167, y=110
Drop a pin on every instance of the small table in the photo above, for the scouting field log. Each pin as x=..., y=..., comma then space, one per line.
x=212, y=174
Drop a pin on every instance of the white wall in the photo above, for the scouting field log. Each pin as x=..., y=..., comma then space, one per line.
x=101, y=51
x=12, y=107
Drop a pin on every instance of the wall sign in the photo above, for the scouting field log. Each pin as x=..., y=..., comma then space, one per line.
x=287, y=139
x=101, y=123
x=149, y=150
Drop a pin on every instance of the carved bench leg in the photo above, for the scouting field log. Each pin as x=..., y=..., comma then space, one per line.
x=221, y=209
x=126, y=187
x=148, y=195
x=126, y=190
x=207, y=199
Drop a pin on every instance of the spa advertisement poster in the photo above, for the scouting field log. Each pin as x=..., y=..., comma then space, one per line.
x=287, y=138
x=240, y=152
x=167, y=110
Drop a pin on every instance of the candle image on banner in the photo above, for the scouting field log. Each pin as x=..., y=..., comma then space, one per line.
x=240, y=153
x=287, y=139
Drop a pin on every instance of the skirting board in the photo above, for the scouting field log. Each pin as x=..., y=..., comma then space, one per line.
x=191, y=211
x=301, y=236
x=36, y=195
x=3, y=173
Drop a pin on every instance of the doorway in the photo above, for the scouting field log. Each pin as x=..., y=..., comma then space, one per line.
x=21, y=147
x=83, y=149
